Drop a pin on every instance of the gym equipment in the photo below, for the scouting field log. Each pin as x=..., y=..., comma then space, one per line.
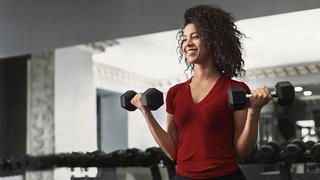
x=251, y=158
x=307, y=156
x=315, y=152
x=268, y=153
x=310, y=144
x=293, y=151
x=157, y=153
x=151, y=158
x=285, y=173
x=237, y=97
x=152, y=99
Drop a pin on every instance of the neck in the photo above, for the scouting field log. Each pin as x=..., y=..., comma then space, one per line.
x=205, y=72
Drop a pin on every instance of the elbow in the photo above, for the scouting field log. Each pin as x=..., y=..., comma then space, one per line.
x=244, y=152
x=243, y=155
x=172, y=156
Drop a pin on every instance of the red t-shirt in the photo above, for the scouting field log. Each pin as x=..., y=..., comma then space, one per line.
x=205, y=130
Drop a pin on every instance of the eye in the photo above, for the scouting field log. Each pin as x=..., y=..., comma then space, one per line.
x=183, y=40
x=196, y=36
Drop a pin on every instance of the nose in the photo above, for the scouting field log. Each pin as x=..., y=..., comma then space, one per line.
x=189, y=43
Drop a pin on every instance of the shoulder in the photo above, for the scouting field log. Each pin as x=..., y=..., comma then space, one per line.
x=176, y=88
x=238, y=83
x=234, y=82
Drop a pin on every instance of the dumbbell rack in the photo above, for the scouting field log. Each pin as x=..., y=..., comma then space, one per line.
x=106, y=163
x=290, y=153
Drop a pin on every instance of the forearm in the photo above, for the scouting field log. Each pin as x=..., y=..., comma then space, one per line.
x=248, y=138
x=163, y=139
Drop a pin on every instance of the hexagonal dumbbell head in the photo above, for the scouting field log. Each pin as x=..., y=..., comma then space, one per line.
x=293, y=151
x=125, y=100
x=285, y=93
x=315, y=151
x=268, y=153
x=152, y=99
x=237, y=98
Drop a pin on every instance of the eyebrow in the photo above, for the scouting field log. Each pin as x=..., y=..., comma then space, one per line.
x=190, y=34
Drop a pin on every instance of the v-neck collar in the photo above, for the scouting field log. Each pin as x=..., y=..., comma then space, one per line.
x=206, y=97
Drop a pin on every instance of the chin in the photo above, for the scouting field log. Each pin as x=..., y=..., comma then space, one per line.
x=193, y=60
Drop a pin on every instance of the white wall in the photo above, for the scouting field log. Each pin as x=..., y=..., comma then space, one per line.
x=139, y=135
x=75, y=104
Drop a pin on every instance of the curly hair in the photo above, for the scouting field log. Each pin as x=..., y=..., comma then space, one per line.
x=220, y=35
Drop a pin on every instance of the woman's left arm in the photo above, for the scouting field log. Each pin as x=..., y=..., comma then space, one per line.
x=246, y=123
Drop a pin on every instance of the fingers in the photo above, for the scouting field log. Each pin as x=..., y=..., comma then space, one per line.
x=260, y=97
x=136, y=100
x=262, y=93
x=268, y=92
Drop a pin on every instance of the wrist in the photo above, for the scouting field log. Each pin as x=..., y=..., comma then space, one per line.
x=145, y=112
x=253, y=115
x=254, y=111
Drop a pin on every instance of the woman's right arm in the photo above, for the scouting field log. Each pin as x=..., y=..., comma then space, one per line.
x=168, y=141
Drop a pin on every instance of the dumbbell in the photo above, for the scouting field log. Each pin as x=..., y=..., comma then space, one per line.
x=307, y=157
x=293, y=151
x=151, y=99
x=268, y=153
x=155, y=155
x=315, y=152
x=251, y=158
x=43, y=162
x=237, y=97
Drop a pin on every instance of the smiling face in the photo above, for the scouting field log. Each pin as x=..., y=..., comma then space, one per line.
x=194, y=49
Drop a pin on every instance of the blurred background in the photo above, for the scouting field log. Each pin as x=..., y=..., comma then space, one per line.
x=64, y=65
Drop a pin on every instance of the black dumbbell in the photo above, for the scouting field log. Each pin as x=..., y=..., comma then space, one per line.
x=43, y=162
x=293, y=151
x=155, y=155
x=268, y=153
x=137, y=157
x=237, y=97
x=310, y=144
x=307, y=157
x=152, y=99
x=315, y=152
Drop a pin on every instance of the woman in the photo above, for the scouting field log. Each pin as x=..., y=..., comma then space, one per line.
x=203, y=135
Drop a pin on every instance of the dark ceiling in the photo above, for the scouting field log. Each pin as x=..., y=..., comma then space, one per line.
x=32, y=26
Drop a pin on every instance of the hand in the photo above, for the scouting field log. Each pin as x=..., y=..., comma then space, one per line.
x=259, y=98
x=136, y=101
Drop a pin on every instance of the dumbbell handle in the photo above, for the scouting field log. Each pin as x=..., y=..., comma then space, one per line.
x=273, y=94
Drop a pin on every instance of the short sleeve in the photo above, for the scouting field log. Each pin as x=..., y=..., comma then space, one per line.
x=247, y=89
x=169, y=101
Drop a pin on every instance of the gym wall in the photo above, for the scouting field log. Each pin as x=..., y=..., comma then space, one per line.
x=75, y=119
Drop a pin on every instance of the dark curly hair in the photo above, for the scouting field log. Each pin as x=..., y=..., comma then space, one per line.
x=221, y=36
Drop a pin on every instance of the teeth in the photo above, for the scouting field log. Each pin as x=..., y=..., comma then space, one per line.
x=191, y=51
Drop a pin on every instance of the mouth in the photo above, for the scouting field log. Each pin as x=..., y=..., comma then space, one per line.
x=191, y=51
